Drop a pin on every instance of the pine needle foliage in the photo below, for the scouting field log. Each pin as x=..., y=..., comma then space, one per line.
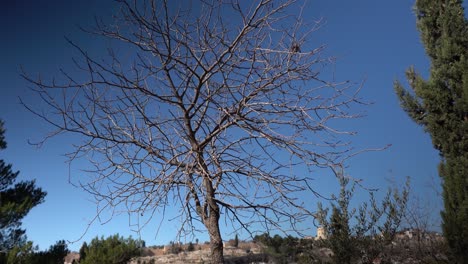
x=440, y=105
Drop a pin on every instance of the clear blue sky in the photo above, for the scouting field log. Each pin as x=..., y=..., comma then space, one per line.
x=375, y=41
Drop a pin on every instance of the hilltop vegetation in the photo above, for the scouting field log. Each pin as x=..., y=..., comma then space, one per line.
x=112, y=250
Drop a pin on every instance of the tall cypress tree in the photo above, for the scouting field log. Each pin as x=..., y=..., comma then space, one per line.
x=440, y=105
x=340, y=239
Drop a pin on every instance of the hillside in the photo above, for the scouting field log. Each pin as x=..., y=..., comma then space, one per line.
x=246, y=251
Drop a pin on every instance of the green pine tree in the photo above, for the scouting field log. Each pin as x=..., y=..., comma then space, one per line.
x=236, y=241
x=340, y=239
x=112, y=250
x=16, y=200
x=360, y=235
x=440, y=105
x=341, y=242
x=83, y=250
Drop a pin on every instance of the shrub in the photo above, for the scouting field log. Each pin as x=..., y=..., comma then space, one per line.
x=190, y=247
x=112, y=250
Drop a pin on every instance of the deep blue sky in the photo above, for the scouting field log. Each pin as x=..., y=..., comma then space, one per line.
x=374, y=41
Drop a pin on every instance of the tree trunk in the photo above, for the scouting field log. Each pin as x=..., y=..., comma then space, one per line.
x=216, y=242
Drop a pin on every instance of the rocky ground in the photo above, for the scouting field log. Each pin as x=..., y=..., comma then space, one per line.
x=200, y=255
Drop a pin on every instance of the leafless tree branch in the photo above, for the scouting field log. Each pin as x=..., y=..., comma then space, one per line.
x=221, y=109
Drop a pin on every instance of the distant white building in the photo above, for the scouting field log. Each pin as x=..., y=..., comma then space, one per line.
x=321, y=233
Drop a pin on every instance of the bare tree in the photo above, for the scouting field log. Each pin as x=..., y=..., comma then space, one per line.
x=220, y=109
x=425, y=245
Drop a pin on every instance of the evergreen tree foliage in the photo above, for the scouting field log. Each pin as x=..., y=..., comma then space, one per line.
x=112, y=250
x=440, y=105
x=20, y=254
x=54, y=255
x=281, y=250
x=374, y=224
x=340, y=237
x=190, y=246
x=16, y=200
x=236, y=241
x=175, y=248
x=27, y=253
x=83, y=250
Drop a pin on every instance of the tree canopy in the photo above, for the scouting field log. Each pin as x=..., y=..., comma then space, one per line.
x=219, y=110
